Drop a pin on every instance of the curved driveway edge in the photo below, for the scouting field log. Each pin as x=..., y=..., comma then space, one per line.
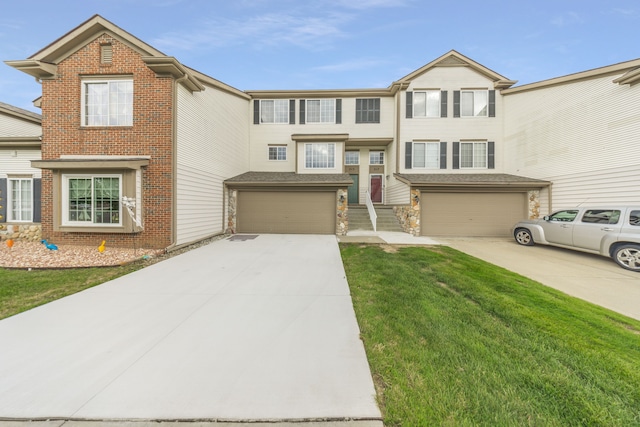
x=239, y=330
x=592, y=278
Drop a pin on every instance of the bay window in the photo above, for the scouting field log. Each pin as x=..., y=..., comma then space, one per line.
x=320, y=156
x=92, y=200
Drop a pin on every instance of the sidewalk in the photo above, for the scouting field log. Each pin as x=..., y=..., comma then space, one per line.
x=385, y=237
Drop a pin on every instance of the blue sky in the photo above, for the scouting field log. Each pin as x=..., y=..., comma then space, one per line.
x=334, y=44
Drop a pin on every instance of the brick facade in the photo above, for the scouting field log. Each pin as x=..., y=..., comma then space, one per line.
x=151, y=135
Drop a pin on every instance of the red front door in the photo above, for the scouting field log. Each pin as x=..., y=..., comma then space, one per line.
x=376, y=188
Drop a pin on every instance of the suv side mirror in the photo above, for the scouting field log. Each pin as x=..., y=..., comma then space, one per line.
x=546, y=217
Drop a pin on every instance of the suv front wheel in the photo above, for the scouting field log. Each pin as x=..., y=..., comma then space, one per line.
x=627, y=256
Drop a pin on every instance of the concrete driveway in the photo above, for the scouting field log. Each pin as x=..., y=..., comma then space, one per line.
x=238, y=330
x=593, y=278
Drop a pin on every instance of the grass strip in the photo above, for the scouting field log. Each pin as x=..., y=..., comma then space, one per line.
x=455, y=341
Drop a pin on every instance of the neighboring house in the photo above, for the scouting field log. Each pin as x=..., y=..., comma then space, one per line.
x=452, y=146
x=20, y=134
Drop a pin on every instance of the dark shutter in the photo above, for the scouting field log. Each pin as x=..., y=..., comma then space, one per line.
x=492, y=103
x=408, y=148
x=3, y=199
x=456, y=103
x=456, y=155
x=292, y=111
x=443, y=155
x=256, y=111
x=491, y=158
x=443, y=103
x=37, y=199
x=302, y=113
x=338, y=111
x=409, y=105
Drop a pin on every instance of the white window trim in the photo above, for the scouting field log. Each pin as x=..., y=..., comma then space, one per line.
x=83, y=99
x=376, y=152
x=329, y=159
x=486, y=155
x=474, y=92
x=357, y=158
x=426, y=116
x=65, y=201
x=275, y=101
x=277, y=148
x=10, y=216
x=413, y=155
x=322, y=101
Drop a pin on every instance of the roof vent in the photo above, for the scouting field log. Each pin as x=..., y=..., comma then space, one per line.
x=106, y=53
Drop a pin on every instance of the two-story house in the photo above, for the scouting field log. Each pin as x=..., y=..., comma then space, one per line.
x=137, y=148
x=20, y=184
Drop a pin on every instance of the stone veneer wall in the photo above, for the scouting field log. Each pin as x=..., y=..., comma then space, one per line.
x=232, y=197
x=534, y=204
x=409, y=216
x=342, y=212
x=26, y=232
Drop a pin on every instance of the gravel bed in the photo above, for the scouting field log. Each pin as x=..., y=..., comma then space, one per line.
x=35, y=255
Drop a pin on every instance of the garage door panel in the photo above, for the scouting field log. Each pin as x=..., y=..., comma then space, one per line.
x=293, y=212
x=471, y=214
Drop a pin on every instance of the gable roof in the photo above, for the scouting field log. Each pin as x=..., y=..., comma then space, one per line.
x=456, y=59
x=19, y=113
x=43, y=64
x=629, y=70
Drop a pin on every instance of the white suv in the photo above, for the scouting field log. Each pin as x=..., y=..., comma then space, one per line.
x=609, y=231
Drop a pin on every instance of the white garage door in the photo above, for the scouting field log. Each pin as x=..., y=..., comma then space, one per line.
x=294, y=212
x=471, y=214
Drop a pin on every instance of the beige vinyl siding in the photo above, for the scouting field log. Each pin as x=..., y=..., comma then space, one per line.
x=450, y=129
x=18, y=161
x=600, y=187
x=212, y=145
x=12, y=126
x=263, y=135
x=398, y=193
x=577, y=135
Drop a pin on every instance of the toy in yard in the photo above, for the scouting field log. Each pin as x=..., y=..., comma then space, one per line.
x=101, y=247
x=49, y=246
x=10, y=243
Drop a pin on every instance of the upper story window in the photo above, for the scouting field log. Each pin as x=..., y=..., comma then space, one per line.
x=20, y=199
x=368, y=110
x=473, y=155
x=426, y=155
x=474, y=103
x=320, y=156
x=376, y=157
x=278, y=152
x=321, y=111
x=274, y=111
x=107, y=103
x=426, y=103
x=352, y=158
x=90, y=200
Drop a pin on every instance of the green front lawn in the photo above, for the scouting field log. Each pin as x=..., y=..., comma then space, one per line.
x=21, y=290
x=455, y=341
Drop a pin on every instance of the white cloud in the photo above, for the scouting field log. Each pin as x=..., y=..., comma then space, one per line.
x=355, y=64
x=275, y=29
x=370, y=4
x=570, y=18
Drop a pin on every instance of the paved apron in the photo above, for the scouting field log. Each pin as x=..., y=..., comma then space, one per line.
x=249, y=329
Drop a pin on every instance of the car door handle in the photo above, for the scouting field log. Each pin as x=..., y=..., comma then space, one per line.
x=607, y=229
x=564, y=226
